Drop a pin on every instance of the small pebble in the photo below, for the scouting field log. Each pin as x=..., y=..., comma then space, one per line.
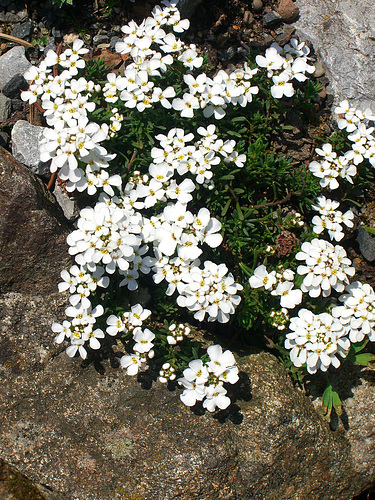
x=270, y=19
x=99, y=39
x=285, y=35
x=56, y=34
x=257, y=5
x=248, y=18
x=4, y=139
x=319, y=69
x=22, y=15
x=366, y=244
x=288, y=10
x=114, y=40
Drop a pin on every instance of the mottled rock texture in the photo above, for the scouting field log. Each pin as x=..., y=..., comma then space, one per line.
x=32, y=231
x=343, y=33
x=91, y=436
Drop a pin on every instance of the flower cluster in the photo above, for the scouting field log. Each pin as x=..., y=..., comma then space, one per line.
x=357, y=313
x=327, y=267
x=204, y=381
x=142, y=223
x=330, y=168
x=316, y=339
x=210, y=290
x=71, y=142
x=284, y=65
x=331, y=219
x=80, y=329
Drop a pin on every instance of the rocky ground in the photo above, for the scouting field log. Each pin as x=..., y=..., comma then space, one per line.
x=227, y=30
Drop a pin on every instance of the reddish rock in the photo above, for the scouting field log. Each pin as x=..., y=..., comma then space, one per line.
x=33, y=231
x=288, y=10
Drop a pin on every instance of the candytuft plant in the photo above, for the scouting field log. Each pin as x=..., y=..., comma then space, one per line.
x=188, y=196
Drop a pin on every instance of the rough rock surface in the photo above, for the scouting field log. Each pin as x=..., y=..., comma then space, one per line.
x=32, y=231
x=107, y=436
x=343, y=33
x=5, y=107
x=11, y=63
x=25, y=146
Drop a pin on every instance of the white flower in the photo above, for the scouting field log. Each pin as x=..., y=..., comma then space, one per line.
x=220, y=361
x=261, y=277
x=143, y=339
x=132, y=363
x=216, y=397
x=289, y=296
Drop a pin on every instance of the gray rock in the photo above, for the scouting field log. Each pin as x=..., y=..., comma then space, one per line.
x=366, y=244
x=12, y=63
x=68, y=204
x=271, y=19
x=343, y=33
x=51, y=45
x=23, y=30
x=17, y=105
x=22, y=15
x=5, y=107
x=56, y=34
x=98, y=39
x=25, y=146
x=15, y=84
x=11, y=17
x=114, y=40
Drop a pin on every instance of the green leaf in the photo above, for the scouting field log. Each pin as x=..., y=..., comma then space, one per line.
x=369, y=229
x=362, y=359
x=358, y=346
x=331, y=399
x=246, y=269
x=287, y=127
x=239, y=211
x=226, y=207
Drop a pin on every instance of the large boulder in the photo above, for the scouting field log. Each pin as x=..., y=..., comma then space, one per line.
x=343, y=34
x=33, y=231
x=97, y=435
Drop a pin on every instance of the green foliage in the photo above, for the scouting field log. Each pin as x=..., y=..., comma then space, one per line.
x=364, y=358
x=330, y=401
x=60, y=3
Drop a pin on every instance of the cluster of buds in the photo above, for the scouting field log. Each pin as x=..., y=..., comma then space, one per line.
x=177, y=333
x=279, y=318
x=166, y=373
